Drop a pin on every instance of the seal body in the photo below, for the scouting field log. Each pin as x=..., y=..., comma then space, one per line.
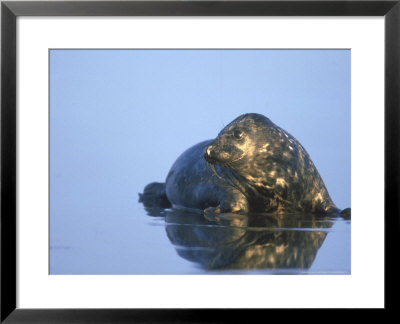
x=252, y=166
x=193, y=183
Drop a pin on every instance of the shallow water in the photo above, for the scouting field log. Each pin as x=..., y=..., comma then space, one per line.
x=165, y=241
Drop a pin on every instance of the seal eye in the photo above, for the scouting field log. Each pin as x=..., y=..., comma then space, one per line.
x=238, y=134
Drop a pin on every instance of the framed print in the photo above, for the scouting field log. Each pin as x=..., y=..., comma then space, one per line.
x=162, y=158
x=183, y=75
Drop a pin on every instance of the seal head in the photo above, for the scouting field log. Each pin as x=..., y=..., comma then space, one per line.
x=240, y=143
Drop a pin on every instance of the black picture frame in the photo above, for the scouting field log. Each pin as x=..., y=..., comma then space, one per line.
x=10, y=10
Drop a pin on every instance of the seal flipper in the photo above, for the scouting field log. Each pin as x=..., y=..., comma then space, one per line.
x=154, y=195
x=346, y=213
x=235, y=203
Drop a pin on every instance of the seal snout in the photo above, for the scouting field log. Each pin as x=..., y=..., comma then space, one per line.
x=213, y=155
x=208, y=150
x=208, y=154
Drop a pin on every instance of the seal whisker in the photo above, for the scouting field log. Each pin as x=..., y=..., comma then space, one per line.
x=211, y=167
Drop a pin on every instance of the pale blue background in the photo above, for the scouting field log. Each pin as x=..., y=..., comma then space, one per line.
x=119, y=119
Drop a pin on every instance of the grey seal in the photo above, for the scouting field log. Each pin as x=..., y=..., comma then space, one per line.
x=251, y=166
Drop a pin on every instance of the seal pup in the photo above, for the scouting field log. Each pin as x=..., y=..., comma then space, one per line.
x=251, y=166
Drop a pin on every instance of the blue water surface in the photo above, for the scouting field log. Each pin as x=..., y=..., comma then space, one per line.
x=158, y=241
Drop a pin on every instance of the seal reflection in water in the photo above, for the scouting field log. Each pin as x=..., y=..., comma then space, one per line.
x=243, y=242
x=252, y=166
